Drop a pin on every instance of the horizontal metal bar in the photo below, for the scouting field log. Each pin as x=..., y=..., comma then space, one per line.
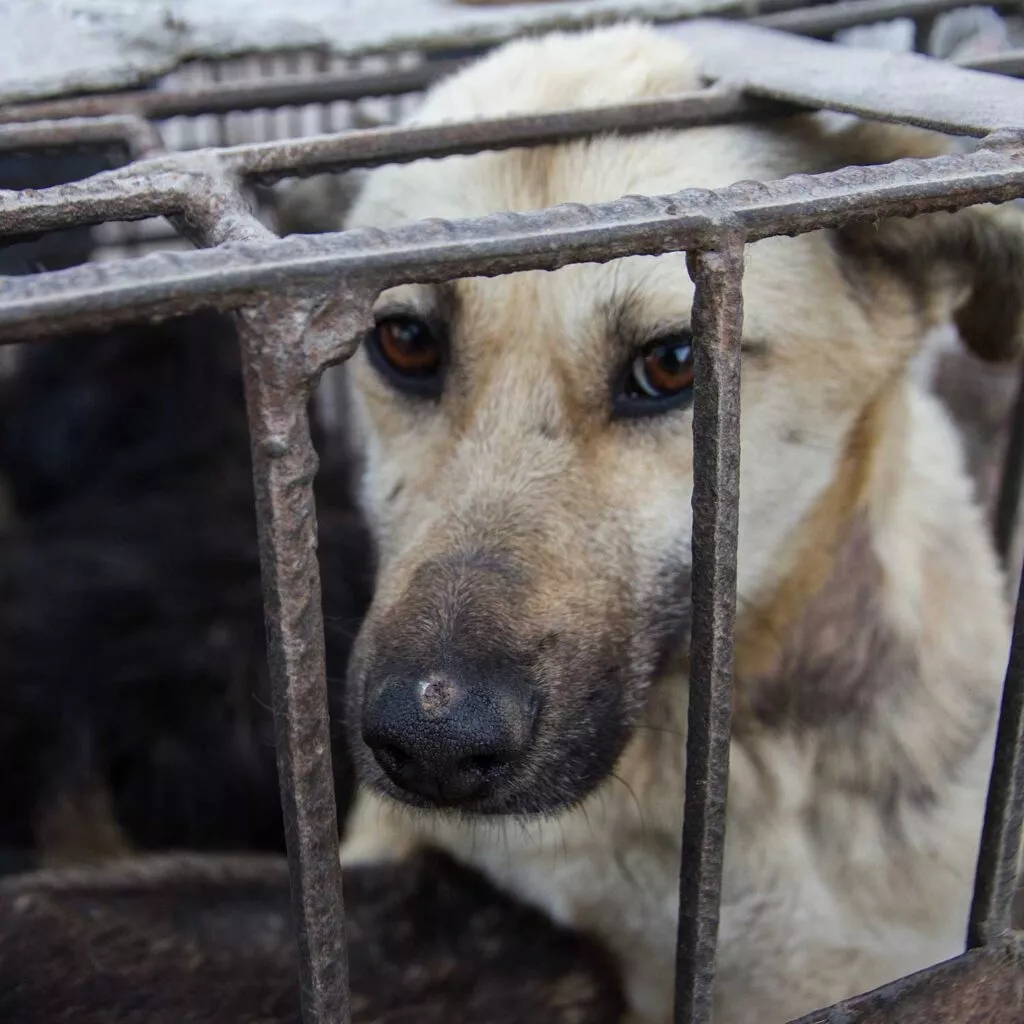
x=274, y=160
x=270, y=161
x=226, y=97
x=105, y=197
x=165, y=283
x=824, y=19
x=1009, y=62
x=888, y=86
x=138, y=136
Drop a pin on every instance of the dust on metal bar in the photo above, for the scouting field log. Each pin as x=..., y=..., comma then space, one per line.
x=284, y=463
x=903, y=87
x=104, y=197
x=139, y=137
x=823, y=19
x=270, y=161
x=996, y=879
x=227, y=97
x=163, y=284
x=717, y=327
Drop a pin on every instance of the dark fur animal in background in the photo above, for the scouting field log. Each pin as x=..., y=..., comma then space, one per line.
x=134, y=698
x=209, y=940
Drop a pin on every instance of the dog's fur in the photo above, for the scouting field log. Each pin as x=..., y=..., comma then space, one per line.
x=134, y=693
x=208, y=940
x=518, y=523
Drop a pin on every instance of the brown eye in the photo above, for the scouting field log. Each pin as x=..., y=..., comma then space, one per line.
x=659, y=378
x=408, y=352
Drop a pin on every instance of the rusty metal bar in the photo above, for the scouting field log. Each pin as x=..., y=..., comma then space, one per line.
x=139, y=137
x=167, y=283
x=284, y=463
x=228, y=97
x=980, y=987
x=268, y=161
x=996, y=880
x=104, y=197
x=274, y=160
x=903, y=87
x=717, y=326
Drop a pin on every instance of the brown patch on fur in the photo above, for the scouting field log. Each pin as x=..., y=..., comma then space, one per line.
x=766, y=628
x=839, y=654
x=80, y=827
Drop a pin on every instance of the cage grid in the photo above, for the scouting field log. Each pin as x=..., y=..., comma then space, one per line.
x=303, y=303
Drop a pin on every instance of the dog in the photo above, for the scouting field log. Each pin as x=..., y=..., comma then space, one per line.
x=517, y=694
x=210, y=939
x=135, y=697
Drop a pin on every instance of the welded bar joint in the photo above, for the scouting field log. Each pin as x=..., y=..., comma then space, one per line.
x=234, y=274
x=717, y=326
x=279, y=377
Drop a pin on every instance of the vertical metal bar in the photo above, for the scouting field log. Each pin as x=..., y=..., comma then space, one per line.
x=996, y=880
x=717, y=323
x=1008, y=502
x=284, y=463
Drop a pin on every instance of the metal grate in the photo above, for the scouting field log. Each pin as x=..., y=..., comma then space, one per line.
x=304, y=302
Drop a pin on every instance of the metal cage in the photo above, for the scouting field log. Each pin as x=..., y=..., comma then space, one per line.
x=303, y=303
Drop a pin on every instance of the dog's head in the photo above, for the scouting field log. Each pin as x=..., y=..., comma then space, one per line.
x=528, y=438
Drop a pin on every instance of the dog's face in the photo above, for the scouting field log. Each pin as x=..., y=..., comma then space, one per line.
x=528, y=439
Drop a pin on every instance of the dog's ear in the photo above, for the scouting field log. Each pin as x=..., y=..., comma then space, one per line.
x=967, y=266
x=317, y=205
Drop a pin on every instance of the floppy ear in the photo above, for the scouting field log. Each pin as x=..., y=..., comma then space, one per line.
x=967, y=266
x=318, y=204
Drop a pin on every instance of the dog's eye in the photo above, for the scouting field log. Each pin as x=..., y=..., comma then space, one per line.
x=659, y=378
x=408, y=352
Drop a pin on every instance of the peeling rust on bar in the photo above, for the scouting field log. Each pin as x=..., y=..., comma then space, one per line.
x=717, y=326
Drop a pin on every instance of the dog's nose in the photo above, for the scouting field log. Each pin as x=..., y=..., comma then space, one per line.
x=444, y=741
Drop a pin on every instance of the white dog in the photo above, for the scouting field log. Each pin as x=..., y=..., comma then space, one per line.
x=518, y=694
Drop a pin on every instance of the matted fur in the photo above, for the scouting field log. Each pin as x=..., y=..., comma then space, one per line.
x=517, y=521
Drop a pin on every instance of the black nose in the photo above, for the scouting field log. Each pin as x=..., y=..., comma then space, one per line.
x=447, y=742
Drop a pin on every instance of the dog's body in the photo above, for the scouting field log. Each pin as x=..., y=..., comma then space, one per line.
x=534, y=547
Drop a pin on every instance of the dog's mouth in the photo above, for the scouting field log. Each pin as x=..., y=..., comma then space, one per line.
x=465, y=705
